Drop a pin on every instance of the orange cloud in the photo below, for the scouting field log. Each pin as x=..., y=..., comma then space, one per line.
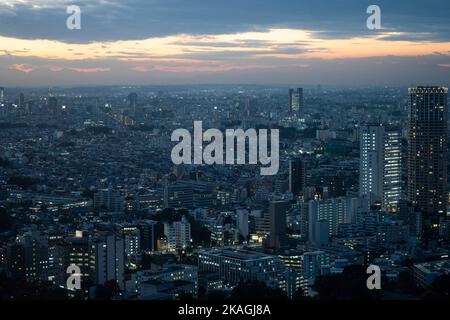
x=21, y=67
x=190, y=48
x=184, y=53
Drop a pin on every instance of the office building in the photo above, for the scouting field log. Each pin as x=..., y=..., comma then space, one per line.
x=178, y=195
x=178, y=234
x=293, y=265
x=381, y=166
x=147, y=235
x=242, y=218
x=100, y=257
x=313, y=262
x=278, y=233
x=234, y=266
x=167, y=282
x=325, y=216
x=28, y=256
x=109, y=200
x=297, y=176
x=131, y=235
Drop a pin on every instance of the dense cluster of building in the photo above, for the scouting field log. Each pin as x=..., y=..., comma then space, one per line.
x=86, y=179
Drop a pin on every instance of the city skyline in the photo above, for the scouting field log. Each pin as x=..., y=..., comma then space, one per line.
x=88, y=187
x=187, y=150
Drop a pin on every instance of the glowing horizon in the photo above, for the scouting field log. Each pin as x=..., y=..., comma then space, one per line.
x=180, y=47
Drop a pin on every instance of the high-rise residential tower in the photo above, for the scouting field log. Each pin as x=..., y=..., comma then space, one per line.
x=132, y=100
x=427, y=156
x=2, y=95
x=295, y=101
x=21, y=101
x=2, y=102
x=381, y=165
x=53, y=105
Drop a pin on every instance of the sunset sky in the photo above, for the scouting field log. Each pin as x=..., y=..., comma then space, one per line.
x=245, y=41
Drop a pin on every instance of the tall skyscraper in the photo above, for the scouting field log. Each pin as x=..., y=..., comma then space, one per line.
x=2, y=102
x=249, y=107
x=427, y=155
x=2, y=95
x=53, y=105
x=278, y=232
x=381, y=165
x=297, y=176
x=21, y=102
x=132, y=99
x=295, y=101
